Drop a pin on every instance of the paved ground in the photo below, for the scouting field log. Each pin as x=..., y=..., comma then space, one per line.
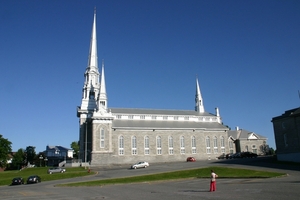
x=287, y=187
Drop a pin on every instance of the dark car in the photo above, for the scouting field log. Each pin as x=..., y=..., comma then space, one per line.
x=248, y=155
x=222, y=156
x=33, y=179
x=190, y=159
x=229, y=155
x=17, y=181
x=236, y=155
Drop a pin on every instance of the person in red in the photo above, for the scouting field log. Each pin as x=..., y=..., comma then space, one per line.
x=213, y=177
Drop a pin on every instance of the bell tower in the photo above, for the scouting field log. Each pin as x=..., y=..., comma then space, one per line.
x=90, y=95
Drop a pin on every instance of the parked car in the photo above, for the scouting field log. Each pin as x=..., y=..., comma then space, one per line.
x=33, y=179
x=236, y=155
x=229, y=155
x=17, y=181
x=141, y=164
x=248, y=155
x=190, y=159
x=222, y=156
x=56, y=170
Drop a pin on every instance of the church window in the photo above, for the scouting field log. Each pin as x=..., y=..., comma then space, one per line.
x=165, y=117
x=119, y=116
x=102, y=135
x=285, y=140
x=142, y=117
x=222, y=144
x=130, y=117
x=121, y=145
x=147, y=149
x=254, y=149
x=153, y=117
x=194, y=150
x=182, y=145
x=175, y=117
x=133, y=145
x=171, y=145
x=246, y=148
x=215, y=145
x=158, y=145
x=207, y=140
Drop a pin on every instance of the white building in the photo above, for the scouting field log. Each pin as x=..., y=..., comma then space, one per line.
x=125, y=135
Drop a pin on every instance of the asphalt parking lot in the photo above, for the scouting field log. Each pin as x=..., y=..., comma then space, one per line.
x=286, y=187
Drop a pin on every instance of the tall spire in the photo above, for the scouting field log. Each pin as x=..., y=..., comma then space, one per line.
x=103, y=96
x=91, y=85
x=198, y=99
x=93, y=60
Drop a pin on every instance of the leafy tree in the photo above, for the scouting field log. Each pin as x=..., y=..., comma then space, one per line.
x=5, y=149
x=19, y=159
x=75, y=147
x=30, y=154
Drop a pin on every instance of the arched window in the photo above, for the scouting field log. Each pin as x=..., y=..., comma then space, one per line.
x=171, y=145
x=182, y=145
x=215, y=145
x=194, y=150
x=207, y=141
x=121, y=145
x=158, y=145
x=222, y=141
x=147, y=151
x=133, y=145
x=102, y=135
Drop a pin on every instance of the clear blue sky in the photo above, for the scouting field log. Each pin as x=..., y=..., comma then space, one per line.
x=245, y=54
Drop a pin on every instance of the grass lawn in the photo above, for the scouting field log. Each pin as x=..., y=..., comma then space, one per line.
x=7, y=176
x=222, y=172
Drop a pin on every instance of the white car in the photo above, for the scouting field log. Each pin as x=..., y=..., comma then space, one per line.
x=141, y=164
x=56, y=170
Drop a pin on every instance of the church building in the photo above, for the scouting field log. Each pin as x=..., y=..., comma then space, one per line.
x=110, y=136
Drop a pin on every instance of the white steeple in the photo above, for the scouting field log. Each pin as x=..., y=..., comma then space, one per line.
x=91, y=85
x=102, y=96
x=198, y=99
x=218, y=115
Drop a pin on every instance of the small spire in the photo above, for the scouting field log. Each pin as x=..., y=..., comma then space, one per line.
x=198, y=99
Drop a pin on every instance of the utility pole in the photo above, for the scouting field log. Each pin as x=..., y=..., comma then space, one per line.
x=85, y=151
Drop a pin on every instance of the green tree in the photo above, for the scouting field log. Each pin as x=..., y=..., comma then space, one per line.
x=19, y=159
x=5, y=149
x=30, y=154
x=75, y=147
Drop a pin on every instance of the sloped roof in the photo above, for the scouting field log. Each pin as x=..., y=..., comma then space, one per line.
x=140, y=111
x=243, y=134
x=144, y=124
x=57, y=148
x=288, y=113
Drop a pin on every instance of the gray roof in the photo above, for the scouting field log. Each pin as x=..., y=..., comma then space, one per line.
x=140, y=111
x=145, y=124
x=288, y=113
x=57, y=148
x=243, y=134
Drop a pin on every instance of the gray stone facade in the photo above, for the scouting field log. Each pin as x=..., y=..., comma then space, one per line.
x=287, y=135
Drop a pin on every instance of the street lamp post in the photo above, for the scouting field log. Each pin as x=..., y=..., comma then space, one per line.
x=41, y=158
x=46, y=159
